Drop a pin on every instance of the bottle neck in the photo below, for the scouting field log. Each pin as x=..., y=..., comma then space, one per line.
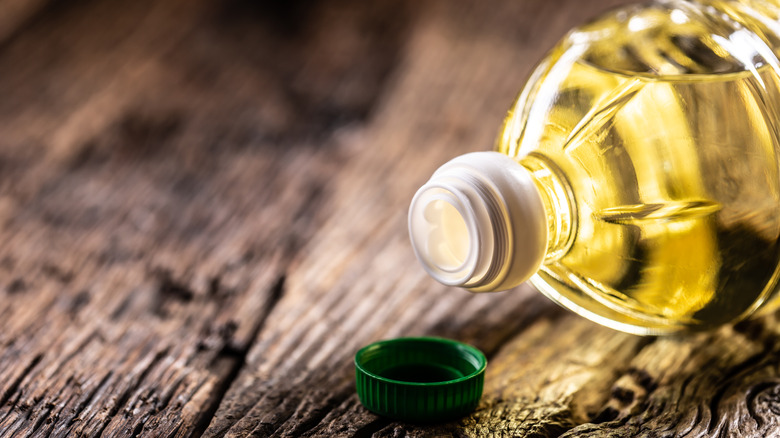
x=559, y=205
x=481, y=222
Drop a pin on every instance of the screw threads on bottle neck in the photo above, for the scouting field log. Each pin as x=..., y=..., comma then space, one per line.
x=494, y=261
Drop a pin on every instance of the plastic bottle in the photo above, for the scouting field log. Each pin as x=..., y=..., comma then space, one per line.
x=636, y=179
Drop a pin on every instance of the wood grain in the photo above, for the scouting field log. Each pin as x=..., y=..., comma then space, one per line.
x=203, y=210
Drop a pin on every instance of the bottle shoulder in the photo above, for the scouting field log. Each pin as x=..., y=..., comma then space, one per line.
x=676, y=38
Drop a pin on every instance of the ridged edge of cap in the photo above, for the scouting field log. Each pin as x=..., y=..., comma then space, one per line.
x=424, y=402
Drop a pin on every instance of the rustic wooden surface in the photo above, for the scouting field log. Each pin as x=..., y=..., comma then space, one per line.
x=203, y=218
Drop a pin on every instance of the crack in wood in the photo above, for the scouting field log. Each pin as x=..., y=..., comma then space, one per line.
x=175, y=432
x=725, y=383
x=43, y=417
x=238, y=355
x=309, y=419
x=14, y=386
x=124, y=396
x=137, y=429
x=368, y=430
x=87, y=401
x=751, y=398
x=167, y=395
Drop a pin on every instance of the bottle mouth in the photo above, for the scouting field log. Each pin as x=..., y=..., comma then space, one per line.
x=444, y=233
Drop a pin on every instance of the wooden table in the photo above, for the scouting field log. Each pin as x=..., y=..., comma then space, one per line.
x=203, y=209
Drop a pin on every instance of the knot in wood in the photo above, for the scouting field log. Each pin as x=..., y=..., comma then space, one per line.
x=766, y=401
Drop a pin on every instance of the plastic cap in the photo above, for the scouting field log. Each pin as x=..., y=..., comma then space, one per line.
x=420, y=379
x=479, y=223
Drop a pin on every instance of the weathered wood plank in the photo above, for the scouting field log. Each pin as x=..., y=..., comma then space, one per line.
x=203, y=215
x=156, y=183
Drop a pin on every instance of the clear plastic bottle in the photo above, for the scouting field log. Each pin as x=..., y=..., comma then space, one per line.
x=637, y=177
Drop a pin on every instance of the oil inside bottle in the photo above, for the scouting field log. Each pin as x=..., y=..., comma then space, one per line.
x=653, y=135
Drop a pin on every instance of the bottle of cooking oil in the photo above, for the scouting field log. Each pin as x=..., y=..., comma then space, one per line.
x=636, y=179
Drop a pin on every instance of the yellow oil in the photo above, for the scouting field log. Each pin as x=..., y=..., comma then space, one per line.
x=655, y=145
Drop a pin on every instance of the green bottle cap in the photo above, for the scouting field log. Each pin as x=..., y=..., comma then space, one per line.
x=420, y=379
